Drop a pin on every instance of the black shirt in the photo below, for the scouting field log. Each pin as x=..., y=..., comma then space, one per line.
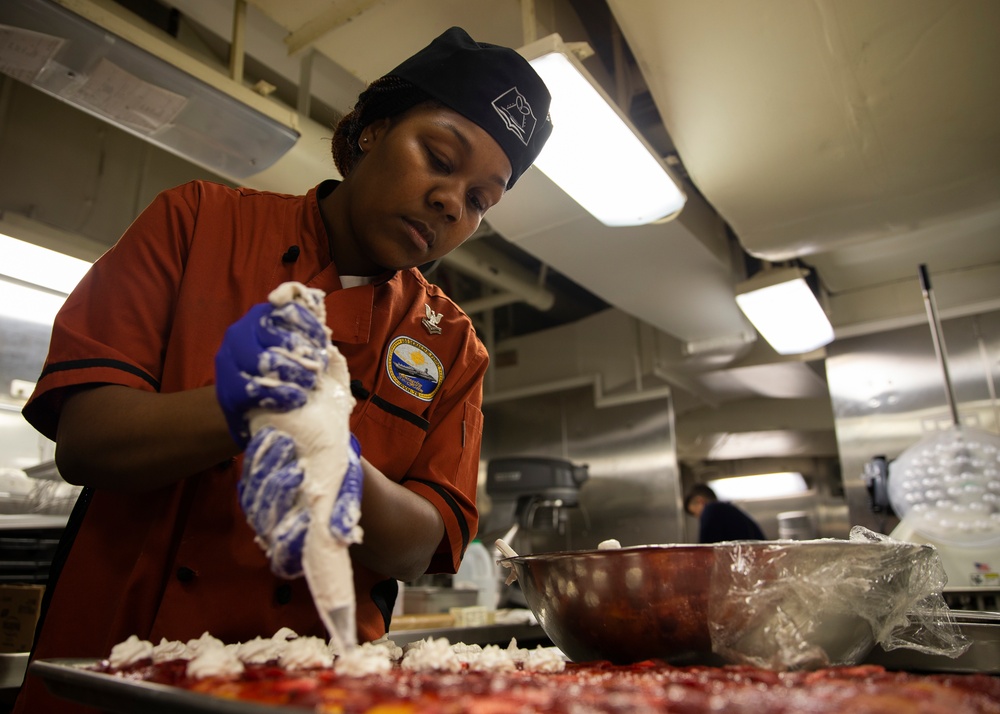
x=721, y=521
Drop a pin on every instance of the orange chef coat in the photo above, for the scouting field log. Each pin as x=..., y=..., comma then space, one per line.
x=180, y=561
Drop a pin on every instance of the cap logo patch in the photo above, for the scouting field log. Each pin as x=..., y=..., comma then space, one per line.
x=514, y=109
x=414, y=368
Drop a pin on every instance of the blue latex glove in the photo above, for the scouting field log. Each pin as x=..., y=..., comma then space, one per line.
x=268, y=491
x=269, y=359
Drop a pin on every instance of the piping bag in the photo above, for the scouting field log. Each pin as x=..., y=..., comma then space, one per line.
x=321, y=431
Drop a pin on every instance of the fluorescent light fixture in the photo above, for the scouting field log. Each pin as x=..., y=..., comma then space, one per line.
x=22, y=302
x=181, y=105
x=30, y=263
x=595, y=154
x=759, y=486
x=35, y=281
x=784, y=310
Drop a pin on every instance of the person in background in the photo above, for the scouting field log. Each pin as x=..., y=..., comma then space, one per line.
x=719, y=521
x=169, y=341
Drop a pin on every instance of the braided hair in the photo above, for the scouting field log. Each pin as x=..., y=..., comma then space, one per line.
x=385, y=97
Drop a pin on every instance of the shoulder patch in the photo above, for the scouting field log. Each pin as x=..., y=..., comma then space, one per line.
x=414, y=368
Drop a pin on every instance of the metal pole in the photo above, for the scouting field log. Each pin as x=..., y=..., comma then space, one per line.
x=938, y=337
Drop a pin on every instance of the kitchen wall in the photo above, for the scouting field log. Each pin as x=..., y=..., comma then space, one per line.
x=601, y=375
x=632, y=492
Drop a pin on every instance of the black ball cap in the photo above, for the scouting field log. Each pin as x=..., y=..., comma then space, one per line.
x=493, y=86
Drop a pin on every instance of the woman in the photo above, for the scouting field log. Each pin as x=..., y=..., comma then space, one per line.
x=161, y=547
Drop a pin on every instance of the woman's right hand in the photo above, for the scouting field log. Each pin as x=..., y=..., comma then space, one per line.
x=269, y=494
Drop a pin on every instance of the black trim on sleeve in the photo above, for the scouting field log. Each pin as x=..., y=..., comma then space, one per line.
x=362, y=394
x=113, y=363
x=452, y=504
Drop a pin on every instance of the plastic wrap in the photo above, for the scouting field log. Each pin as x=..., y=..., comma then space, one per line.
x=785, y=606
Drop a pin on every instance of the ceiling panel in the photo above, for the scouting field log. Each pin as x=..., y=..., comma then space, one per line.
x=811, y=126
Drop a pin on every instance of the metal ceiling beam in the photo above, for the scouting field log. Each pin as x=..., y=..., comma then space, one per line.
x=491, y=267
x=323, y=23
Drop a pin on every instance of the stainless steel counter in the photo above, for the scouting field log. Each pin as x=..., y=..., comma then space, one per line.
x=526, y=635
x=31, y=521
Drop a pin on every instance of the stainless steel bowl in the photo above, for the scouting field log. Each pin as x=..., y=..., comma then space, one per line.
x=778, y=604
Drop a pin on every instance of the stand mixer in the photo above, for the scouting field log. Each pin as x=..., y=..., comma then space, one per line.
x=531, y=494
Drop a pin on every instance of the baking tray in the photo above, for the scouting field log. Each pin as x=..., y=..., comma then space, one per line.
x=70, y=679
x=73, y=679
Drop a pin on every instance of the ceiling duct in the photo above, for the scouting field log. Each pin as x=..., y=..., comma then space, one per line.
x=88, y=54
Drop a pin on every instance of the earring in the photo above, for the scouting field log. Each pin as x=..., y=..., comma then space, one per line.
x=363, y=141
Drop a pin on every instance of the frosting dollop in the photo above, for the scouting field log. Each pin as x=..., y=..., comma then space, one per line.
x=130, y=651
x=214, y=661
x=431, y=655
x=306, y=653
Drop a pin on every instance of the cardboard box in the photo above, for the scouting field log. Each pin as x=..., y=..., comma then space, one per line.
x=19, y=609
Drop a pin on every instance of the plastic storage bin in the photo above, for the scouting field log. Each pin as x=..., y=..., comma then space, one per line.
x=479, y=569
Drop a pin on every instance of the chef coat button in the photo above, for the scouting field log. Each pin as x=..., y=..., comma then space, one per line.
x=185, y=575
x=283, y=594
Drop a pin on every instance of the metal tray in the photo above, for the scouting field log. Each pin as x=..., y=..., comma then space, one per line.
x=73, y=680
x=70, y=679
x=982, y=657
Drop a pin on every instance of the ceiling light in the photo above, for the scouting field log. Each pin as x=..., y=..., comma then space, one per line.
x=783, y=308
x=122, y=75
x=23, y=302
x=34, y=281
x=594, y=153
x=759, y=486
x=28, y=263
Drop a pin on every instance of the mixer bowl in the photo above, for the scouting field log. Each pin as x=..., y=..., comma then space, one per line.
x=778, y=604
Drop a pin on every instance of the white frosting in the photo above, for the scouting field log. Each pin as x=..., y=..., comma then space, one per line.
x=610, y=544
x=431, y=655
x=386, y=648
x=360, y=661
x=130, y=651
x=206, y=641
x=515, y=652
x=260, y=650
x=170, y=649
x=208, y=656
x=306, y=653
x=492, y=659
x=215, y=661
x=544, y=659
x=283, y=634
x=466, y=653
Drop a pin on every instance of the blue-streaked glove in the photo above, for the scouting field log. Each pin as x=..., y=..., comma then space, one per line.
x=269, y=490
x=269, y=358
